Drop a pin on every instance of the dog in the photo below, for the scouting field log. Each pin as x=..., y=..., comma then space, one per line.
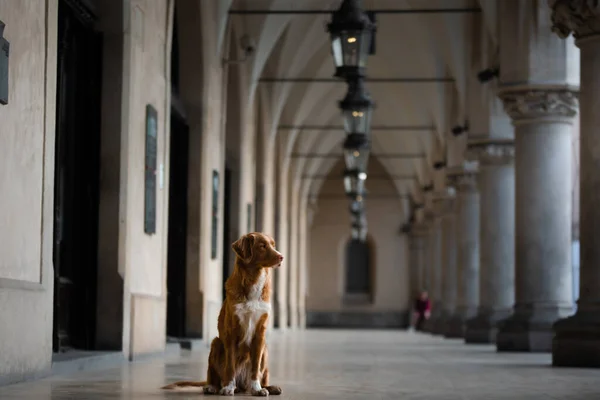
x=238, y=359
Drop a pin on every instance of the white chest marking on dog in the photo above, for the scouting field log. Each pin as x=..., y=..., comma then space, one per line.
x=250, y=311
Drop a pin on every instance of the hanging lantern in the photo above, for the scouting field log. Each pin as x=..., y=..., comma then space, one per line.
x=359, y=218
x=357, y=204
x=354, y=181
x=352, y=33
x=356, y=152
x=359, y=232
x=357, y=108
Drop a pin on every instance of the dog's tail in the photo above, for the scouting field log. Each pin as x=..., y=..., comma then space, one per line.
x=183, y=384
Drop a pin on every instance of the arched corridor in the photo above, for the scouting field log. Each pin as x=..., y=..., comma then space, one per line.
x=389, y=147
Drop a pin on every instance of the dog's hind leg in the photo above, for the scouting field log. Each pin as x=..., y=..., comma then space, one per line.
x=215, y=358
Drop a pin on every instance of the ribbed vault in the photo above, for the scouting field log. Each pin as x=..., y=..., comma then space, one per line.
x=408, y=46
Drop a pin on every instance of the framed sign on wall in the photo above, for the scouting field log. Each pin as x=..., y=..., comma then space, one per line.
x=150, y=170
x=215, y=214
x=249, y=217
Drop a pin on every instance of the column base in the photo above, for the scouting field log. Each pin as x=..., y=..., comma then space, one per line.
x=455, y=327
x=528, y=330
x=457, y=323
x=483, y=328
x=576, y=341
x=441, y=323
x=430, y=324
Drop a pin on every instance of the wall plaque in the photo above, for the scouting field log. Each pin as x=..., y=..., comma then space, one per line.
x=249, y=217
x=215, y=214
x=150, y=170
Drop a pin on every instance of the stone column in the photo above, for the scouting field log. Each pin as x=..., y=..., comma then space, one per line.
x=417, y=258
x=542, y=120
x=302, y=276
x=467, y=223
x=576, y=340
x=434, y=259
x=538, y=84
x=497, y=236
x=283, y=240
x=446, y=208
x=294, y=257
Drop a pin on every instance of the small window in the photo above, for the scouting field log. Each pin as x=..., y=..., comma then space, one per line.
x=358, y=286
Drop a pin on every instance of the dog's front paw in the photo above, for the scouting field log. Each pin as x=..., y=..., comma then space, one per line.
x=262, y=392
x=258, y=390
x=228, y=390
x=210, y=389
x=274, y=390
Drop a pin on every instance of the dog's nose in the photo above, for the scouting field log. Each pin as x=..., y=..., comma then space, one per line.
x=280, y=257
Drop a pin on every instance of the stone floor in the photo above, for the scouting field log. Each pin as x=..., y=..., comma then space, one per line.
x=345, y=365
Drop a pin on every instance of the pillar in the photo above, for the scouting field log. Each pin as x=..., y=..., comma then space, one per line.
x=294, y=257
x=543, y=291
x=417, y=258
x=538, y=84
x=576, y=340
x=445, y=204
x=302, y=280
x=281, y=274
x=467, y=229
x=496, y=236
x=433, y=258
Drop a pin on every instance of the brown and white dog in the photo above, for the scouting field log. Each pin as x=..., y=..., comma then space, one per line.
x=238, y=359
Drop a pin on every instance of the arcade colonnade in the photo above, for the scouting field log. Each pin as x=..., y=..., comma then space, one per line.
x=137, y=144
x=503, y=220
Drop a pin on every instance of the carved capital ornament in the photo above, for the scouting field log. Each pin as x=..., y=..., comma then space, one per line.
x=578, y=17
x=528, y=105
x=490, y=151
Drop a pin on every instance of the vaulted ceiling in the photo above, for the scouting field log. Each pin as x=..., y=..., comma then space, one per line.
x=449, y=48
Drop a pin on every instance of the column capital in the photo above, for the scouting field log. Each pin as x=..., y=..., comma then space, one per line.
x=532, y=104
x=463, y=177
x=579, y=17
x=419, y=229
x=491, y=151
x=444, y=204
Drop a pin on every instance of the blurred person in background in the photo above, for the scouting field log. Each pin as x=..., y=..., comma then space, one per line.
x=421, y=310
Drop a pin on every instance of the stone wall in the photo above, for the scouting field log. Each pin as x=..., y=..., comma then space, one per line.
x=27, y=131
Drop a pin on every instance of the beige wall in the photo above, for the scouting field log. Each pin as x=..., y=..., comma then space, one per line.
x=329, y=234
x=27, y=126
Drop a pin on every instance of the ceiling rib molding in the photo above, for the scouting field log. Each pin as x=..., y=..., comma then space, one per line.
x=375, y=11
x=367, y=79
x=391, y=155
x=372, y=128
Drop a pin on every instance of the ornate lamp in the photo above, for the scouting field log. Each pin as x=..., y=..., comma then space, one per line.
x=357, y=204
x=356, y=152
x=354, y=181
x=351, y=32
x=359, y=231
x=357, y=108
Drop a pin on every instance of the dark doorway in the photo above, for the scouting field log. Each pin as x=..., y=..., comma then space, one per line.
x=178, y=202
x=76, y=190
x=226, y=228
x=358, y=271
x=177, y=237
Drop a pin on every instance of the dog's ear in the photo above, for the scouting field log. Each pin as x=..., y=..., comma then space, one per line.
x=243, y=247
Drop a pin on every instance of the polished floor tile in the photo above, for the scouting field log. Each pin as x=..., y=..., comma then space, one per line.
x=315, y=365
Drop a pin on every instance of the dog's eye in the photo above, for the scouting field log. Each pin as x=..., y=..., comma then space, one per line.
x=262, y=246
